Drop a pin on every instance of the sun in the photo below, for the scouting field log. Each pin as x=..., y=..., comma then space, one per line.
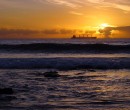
x=104, y=25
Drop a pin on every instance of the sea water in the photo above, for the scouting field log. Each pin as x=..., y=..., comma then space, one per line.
x=95, y=74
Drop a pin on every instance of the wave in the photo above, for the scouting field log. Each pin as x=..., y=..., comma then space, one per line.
x=61, y=48
x=65, y=63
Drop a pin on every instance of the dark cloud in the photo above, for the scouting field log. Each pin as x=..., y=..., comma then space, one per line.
x=123, y=28
x=122, y=31
x=23, y=33
x=90, y=32
x=46, y=31
x=16, y=31
x=107, y=32
x=50, y=31
x=60, y=31
x=64, y=31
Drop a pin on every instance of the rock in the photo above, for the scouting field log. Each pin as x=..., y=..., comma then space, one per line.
x=51, y=74
x=6, y=91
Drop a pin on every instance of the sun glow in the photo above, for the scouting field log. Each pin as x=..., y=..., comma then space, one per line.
x=104, y=25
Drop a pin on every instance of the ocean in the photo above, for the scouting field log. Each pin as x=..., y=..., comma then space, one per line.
x=94, y=74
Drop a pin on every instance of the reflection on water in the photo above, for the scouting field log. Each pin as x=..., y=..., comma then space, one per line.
x=60, y=55
x=75, y=89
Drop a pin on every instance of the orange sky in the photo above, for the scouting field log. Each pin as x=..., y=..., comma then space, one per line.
x=68, y=15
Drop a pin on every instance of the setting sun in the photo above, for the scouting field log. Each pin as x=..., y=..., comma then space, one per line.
x=104, y=25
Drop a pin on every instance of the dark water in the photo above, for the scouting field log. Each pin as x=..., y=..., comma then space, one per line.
x=65, y=48
x=95, y=74
x=65, y=54
x=74, y=90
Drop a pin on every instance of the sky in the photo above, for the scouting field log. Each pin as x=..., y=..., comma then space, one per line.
x=63, y=18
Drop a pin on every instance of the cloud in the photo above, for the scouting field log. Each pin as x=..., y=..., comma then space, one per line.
x=61, y=31
x=23, y=33
x=119, y=4
x=123, y=28
x=19, y=5
x=106, y=31
x=76, y=13
x=69, y=3
x=17, y=32
x=124, y=31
